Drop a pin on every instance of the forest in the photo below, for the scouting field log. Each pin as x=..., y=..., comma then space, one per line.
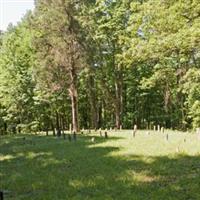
x=100, y=100
x=90, y=64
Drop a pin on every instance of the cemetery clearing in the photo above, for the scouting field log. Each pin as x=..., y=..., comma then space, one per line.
x=151, y=165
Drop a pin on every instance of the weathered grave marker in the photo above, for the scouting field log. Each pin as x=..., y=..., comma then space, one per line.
x=106, y=134
x=74, y=136
x=154, y=128
x=134, y=130
x=92, y=139
x=135, y=127
x=162, y=129
x=100, y=133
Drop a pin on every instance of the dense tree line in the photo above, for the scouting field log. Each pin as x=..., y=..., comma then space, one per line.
x=102, y=63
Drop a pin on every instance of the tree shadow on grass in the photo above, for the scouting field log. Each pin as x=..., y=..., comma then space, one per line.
x=55, y=169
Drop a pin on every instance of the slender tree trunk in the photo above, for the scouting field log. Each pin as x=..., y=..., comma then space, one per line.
x=58, y=125
x=73, y=56
x=53, y=128
x=74, y=99
x=63, y=124
x=119, y=99
x=99, y=120
x=117, y=117
x=93, y=102
x=74, y=113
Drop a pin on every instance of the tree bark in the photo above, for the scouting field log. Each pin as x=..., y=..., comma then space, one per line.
x=119, y=99
x=74, y=100
x=93, y=103
x=74, y=113
x=58, y=125
x=53, y=129
x=117, y=117
x=99, y=117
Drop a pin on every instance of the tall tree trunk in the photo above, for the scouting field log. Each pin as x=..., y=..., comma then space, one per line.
x=74, y=99
x=117, y=117
x=63, y=123
x=58, y=125
x=74, y=113
x=53, y=129
x=99, y=117
x=119, y=98
x=93, y=103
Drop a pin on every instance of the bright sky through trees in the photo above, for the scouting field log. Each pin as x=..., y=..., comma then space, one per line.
x=11, y=11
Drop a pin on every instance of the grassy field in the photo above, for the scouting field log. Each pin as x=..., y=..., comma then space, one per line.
x=147, y=167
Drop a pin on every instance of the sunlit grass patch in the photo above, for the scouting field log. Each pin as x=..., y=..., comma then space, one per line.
x=120, y=167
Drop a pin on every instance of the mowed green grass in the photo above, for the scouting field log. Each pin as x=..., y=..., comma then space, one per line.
x=147, y=167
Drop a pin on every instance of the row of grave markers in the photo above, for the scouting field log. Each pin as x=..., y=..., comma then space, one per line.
x=104, y=133
x=155, y=128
